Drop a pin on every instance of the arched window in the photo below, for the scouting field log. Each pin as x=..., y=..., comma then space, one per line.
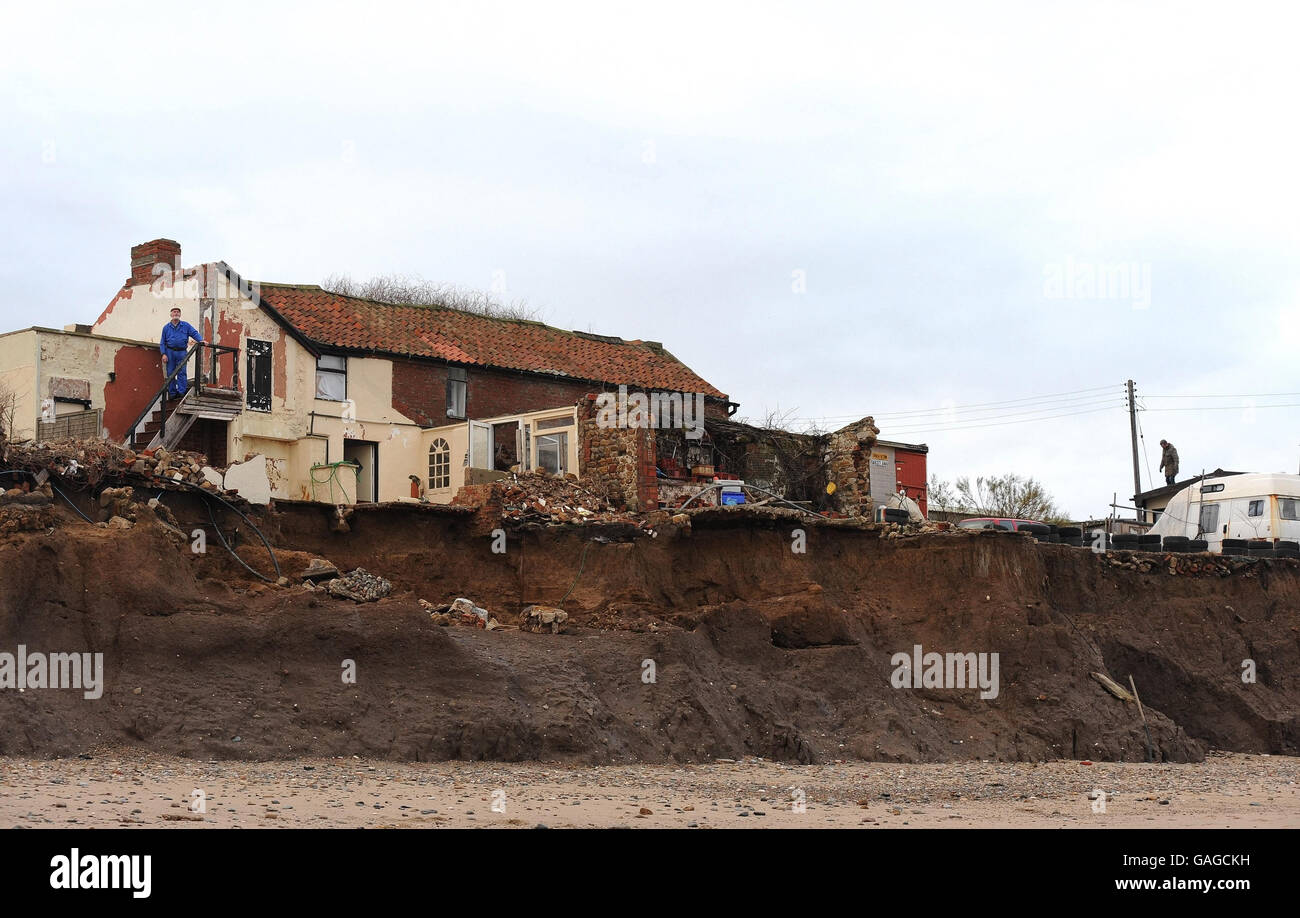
x=439, y=465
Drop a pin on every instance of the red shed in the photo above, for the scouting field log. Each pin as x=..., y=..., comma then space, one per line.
x=900, y=467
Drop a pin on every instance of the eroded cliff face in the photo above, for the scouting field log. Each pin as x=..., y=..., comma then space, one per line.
x=713, y=640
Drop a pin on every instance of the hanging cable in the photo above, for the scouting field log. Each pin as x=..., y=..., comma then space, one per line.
x=1151, y=479
x=269, y=550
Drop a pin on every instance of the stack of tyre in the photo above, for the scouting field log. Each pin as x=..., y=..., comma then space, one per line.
x=1236, y=548
x=1261, y=548
x=1132, y=541
x=1185, y=545
x=1125, y=541
x=1071, y=535
x=1041, y=532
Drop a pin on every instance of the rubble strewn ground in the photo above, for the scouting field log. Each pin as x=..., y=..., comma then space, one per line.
x=122, y=788
x=92, y=461
x=537, y=497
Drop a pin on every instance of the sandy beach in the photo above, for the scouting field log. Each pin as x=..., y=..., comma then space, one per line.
x=128, y=789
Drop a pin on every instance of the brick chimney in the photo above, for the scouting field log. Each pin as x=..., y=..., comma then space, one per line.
x=147, y=254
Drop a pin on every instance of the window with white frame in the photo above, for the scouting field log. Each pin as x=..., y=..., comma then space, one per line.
x=553, y=452
x=439, y=465
x=332, y=377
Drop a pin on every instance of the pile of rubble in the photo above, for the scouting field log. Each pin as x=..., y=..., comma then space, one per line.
x=536, y=497
x=358, y=585
x=543, y=618
x=24, y=508
x=461, y=611
x=94, y=460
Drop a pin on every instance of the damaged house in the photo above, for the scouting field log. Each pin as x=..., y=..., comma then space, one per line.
x=317, y=396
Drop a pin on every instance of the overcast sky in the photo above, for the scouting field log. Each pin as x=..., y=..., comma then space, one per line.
x=827, y=211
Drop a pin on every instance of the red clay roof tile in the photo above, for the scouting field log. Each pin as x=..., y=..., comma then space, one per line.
x=440, y=333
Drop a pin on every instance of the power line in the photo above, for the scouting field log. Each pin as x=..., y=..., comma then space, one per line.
x=977, y=405
x=1001, y=423
x=1143, y=437
x=1029, y=412
x=1226, y=407
x=1249, y=395
x=1052, y=404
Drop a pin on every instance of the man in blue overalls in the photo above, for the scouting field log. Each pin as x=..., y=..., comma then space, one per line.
x=176, y=337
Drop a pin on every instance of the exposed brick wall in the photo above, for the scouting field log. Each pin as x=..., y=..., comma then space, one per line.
x=850, y=466
x=487, y=499
x=616, y=462
x=647, y=480
x=208, y=437
x=420, y=393
x=138, y=377
x=147, y=254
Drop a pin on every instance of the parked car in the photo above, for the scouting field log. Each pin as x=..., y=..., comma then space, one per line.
x=996, y=522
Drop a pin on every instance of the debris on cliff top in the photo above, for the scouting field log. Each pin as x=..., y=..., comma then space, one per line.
x=93, y=460
x=536, y=497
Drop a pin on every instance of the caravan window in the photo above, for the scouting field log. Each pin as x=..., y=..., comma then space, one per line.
x=1256, y=508
x=1289, y=508
x=1209, y=518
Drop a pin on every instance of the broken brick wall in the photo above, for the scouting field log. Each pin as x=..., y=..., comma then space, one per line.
x=617, y=462
x=849, y=466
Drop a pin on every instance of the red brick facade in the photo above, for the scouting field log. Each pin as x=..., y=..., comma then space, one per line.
x=420, y=393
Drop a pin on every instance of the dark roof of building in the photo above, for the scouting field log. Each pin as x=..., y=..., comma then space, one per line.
x=1171, y=490
x=334, y=321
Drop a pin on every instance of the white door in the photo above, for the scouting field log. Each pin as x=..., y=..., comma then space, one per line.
x=1211, y=522
x=480, y=445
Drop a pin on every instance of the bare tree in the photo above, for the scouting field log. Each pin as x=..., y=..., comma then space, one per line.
x=8, y=412
x=413, y=290
x=1011, y=495
x=942, y=496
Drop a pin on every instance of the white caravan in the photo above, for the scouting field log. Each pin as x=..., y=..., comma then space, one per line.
x=1254, y=506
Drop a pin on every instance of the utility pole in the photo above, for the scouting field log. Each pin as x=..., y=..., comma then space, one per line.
x=1133, y=430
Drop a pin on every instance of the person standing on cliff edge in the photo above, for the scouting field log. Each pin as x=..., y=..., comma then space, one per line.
x=176, y=336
